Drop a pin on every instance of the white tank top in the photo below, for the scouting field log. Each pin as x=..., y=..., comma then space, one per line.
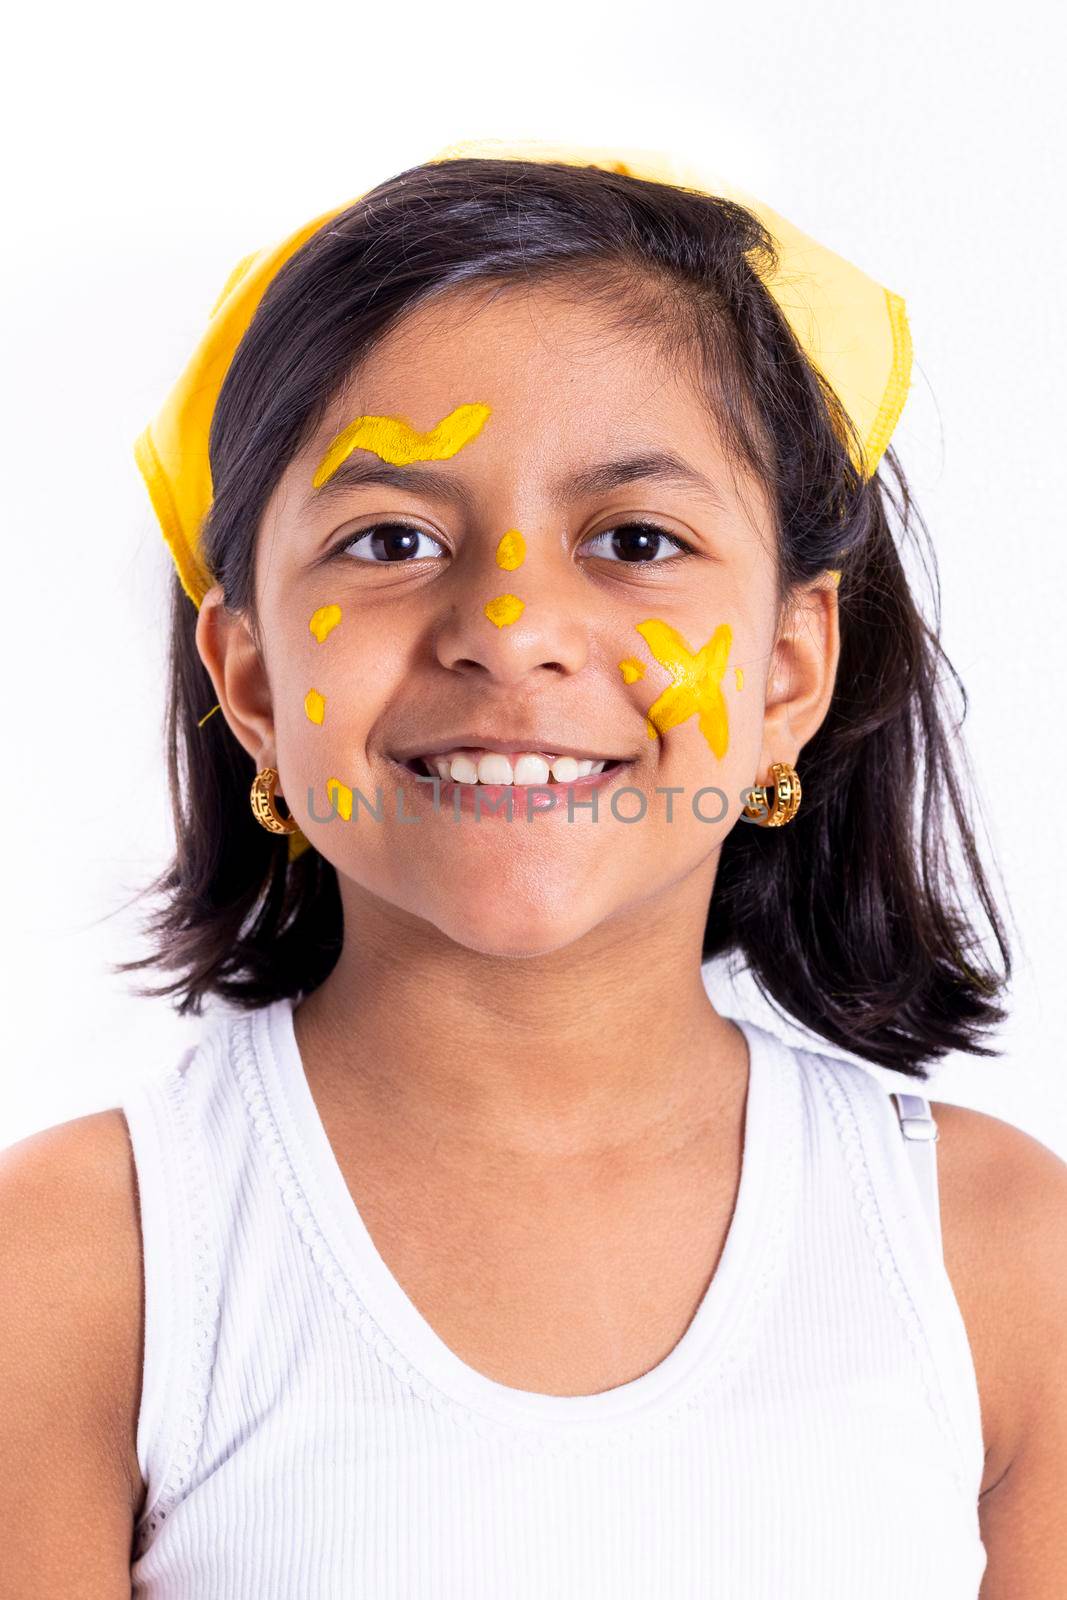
x=306, y=1435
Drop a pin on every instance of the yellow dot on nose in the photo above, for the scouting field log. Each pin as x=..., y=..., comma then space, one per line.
x=504, y=609
x=511, y=551
x=324, y=620
x=314, y=705
x=632, y=669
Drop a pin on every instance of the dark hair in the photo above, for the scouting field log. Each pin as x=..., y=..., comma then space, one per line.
x=849, y=918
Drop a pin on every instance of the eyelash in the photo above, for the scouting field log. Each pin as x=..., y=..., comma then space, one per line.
x=681, y=545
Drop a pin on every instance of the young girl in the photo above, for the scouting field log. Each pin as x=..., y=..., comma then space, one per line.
x=481, y=1255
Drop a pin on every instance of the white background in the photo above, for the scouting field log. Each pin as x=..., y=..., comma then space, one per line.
x=148, y=148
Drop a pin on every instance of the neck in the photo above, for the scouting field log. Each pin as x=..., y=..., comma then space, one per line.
x=608, y=1043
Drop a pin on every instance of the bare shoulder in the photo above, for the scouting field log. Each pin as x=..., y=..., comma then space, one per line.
x=1004, y=1223
x=71, y=1311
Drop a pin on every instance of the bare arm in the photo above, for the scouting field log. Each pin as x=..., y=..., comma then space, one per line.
x=1004, y=1211
x=70, y=1354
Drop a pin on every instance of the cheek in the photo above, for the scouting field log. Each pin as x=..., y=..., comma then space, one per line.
x=700, y=703
x=338, y=676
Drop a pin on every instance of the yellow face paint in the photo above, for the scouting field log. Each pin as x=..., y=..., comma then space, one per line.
x=504, y=609
x=398, y=442
x=298, y=843
x=739, y=677
x=696, y=689
x=511, y=551
x=632, y=669
x=835, y=575
x=341, y=796
x=324, y=620
x=314, y=705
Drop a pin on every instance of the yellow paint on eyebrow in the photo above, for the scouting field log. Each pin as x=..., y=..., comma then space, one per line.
x=341, y=795
x=511, y=551
x=696, y=689
x=396, y=441
x=324, y=620
x=504, y=609
x=739, y=677
x=632, y=669
x=314, y=705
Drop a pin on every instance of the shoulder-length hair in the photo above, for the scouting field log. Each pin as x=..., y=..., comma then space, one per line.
x=856, y=918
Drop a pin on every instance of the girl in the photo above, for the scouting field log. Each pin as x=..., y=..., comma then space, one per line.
x=533, y=523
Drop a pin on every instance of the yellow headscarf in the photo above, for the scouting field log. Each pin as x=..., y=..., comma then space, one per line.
x=852, y=329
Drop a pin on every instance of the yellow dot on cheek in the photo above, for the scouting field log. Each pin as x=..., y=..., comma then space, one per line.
x=324, y=620
x=314, y=705
x=511, y=551
x=632, y=669
x=739, y=677
x=341, y=796
x=504, y=609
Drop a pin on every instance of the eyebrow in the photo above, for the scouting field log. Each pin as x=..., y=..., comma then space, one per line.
x=367, y=470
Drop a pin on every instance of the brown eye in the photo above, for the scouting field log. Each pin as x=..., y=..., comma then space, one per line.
x=390, y=542
x=637, y=542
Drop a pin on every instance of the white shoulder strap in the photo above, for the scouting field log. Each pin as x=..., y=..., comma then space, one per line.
x=920, y=1132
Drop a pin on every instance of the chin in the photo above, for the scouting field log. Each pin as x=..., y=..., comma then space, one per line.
x=495, y=925
x=491, y=903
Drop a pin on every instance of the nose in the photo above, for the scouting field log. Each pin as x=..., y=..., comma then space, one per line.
x=550, y=632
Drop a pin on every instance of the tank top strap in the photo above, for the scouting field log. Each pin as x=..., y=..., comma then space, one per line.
x=889, y=1138
x=167, y=1111
x=920, y=1132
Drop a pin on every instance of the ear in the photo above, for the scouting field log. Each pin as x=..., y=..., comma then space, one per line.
x=231, y=655
x=804, y=661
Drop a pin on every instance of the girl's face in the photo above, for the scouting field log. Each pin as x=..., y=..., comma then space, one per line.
x=517, y=535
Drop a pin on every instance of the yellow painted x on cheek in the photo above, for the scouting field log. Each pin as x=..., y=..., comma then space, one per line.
x=697, y=687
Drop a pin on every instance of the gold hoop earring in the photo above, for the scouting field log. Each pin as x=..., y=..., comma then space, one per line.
x=264, y=808
x=777, y=803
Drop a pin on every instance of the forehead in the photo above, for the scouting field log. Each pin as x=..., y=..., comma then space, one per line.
x=558, y=375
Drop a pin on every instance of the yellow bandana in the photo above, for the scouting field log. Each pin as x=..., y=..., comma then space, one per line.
x=851, y=328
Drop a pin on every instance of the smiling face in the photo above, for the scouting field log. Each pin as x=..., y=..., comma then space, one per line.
x=483, y=553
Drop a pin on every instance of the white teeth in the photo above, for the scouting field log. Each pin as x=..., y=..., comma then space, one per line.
x=463, y=770
x=494, y=768
x=528, y=768
x=531, y=769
